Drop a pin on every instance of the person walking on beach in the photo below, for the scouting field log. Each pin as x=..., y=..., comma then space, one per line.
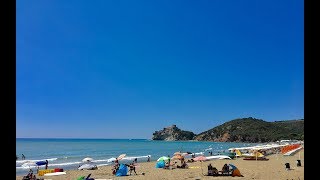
x=135, y=160
x=148, y=160
x=23, y=157
x=47, y=164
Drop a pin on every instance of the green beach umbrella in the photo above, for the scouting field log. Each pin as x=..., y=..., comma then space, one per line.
x=163, y=158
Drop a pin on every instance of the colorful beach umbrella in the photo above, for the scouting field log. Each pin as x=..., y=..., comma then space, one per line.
x=163, y=158
x=87, y=159
x=200, y=158
x=121, y=156
x=178, y=156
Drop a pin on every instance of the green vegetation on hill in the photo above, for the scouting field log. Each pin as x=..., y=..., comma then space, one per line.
x=239, y=130
x=254, y=130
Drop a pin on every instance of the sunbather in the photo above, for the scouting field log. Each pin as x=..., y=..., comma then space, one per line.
x=225, y=169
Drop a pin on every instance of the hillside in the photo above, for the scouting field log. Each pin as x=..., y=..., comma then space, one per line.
x=254, y=130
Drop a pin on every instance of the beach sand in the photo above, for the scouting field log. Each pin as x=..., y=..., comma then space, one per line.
x=274, y=169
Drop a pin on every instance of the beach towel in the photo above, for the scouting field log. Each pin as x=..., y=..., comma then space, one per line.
x=81, y=178
x=194, y=167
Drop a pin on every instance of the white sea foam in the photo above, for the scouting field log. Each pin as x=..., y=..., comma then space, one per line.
x=34, y=160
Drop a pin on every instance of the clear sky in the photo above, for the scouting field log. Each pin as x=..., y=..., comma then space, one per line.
x=126, y=68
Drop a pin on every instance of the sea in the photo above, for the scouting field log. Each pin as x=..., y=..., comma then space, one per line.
x=69, y=153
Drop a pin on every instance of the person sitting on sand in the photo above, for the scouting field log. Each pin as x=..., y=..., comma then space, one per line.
x=225, y=169
x=115, y=168
x=190, y=160
x=132, y=168
x=184, y=165
x=215, y=171
x=166, y=165
x=210, y=170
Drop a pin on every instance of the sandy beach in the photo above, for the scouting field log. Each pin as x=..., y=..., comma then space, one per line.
x=274, y=169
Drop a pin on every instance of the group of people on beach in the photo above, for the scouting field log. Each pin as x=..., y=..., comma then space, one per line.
x=169, y=165
x=226, y=171
x=132, y=167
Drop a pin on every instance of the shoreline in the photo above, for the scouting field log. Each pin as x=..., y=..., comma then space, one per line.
x=274, y=168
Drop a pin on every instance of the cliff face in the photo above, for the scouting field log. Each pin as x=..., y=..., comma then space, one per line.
x=173, y=133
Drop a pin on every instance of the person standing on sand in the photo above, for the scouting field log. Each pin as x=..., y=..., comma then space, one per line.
x=47, y=164
x=148, y=160
x=132, y=168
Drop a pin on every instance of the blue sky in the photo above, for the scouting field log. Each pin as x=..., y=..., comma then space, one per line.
x=124, y=69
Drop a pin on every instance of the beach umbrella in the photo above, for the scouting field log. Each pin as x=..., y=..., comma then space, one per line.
x=232, y=166
x=87, y=159
x=200, y=158
x=177, y=157
x=29, y=163
x=121, y=156
x=111, y=159
x=177, y=153
x=184, y=154
x=163, y=158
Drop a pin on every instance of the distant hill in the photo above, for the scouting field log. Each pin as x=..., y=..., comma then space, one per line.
x=239, y=130
x=173, y=133
x=254, y=130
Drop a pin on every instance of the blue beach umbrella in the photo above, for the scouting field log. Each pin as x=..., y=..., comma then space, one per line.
x=233, y=166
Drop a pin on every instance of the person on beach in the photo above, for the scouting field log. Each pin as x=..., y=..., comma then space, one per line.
x=116, y=161
x=148, y=160
x=135, y=160
x=225, y=169
x=183, y=166
x=115, y=168
x=132, y=168
x=47, y=164
x=23, y=157
x=167, y=165
x=210, y=170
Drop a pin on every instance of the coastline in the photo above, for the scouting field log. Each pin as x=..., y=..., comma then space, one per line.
x=274, y=168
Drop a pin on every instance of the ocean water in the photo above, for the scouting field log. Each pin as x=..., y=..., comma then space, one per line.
x=68, y=153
